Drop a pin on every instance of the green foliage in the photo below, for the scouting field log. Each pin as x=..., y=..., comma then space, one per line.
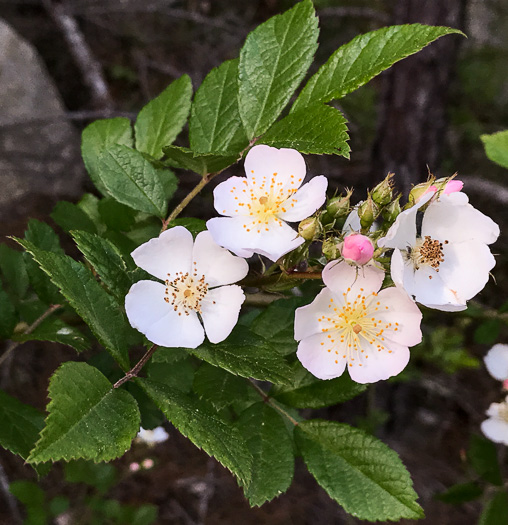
x=495, y=511
x=358, y=471
x=92, y=303
x=97, y=137
x=101, y=476
x=215, y=125
x=482, y=456
x=34, y=499
x=461, y=493
x=192, y=224
x=106, y=260
x=20, y=425
x=317, y=129
x=360, y=60
x=162, y=119
x=116, y=216
x=195, y=420
x=8, y=317
x=71, y=217
x=487, y=332
x=87, y=418
x=218, y=386
x=273, y=62
x=132, y=180
x=178, y=375
x=202, y=164
x=246, y=354
x=12, y=265
x=496, y=147
x=272, y=450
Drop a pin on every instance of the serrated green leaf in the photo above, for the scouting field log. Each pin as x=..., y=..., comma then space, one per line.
x=132, y=180
x=495, y=511
x=43, y=236
x=218, y=386
x=71, y=217
x=178, y=375
x=496, y=147
x=90, y=205
x=461, y=493
x=367, y=55
x=8, y=317
x=169, y=355
x=310, y=392
x=246, y=354
x=162, y=119
x=107, y=261
x=272, y=451
x=273, y=62
x=169, y=182
x=54, y=329
x=358, y=471
x=192, y=224
x=12, y=265
x=20, y=425
x=203, y=427
x=97, y=137
x=318, y=129
x=215, y=124
x=202, y=164
x=92, y=303
x=87, y=418
x=482, y=455
x=116, y=216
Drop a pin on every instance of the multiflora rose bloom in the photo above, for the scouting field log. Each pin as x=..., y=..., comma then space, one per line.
x=450, y=261
x=351, y=323
x=496, y=362
x=152, y=437
x=257, y=207
x=496, y=426
x=194, y=290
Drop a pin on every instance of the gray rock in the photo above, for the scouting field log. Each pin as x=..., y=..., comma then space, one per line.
x=39, y=150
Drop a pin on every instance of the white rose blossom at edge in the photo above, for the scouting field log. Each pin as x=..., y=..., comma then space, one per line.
x=496, y=361
x=194, y=275
x=256, y=207
x=450, y=262
x=496, y=426
x=353, y=325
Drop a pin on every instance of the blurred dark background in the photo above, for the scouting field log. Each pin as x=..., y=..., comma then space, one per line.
x=65, y=64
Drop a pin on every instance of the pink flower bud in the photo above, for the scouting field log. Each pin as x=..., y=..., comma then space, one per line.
x=453, y=186
x=147, y=463
x=505, y=384
x=134, y=467
x=357, y=248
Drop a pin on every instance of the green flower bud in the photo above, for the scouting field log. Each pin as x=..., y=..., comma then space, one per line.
x=367, y=211
x=330, y=248
x=382, y=194
x=309, y=228
x=339, y=206
x=419, y=191
x=391, y=212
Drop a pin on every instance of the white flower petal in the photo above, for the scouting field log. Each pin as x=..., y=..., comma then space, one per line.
x=341, y=276
x=151, y=315
x=496, y=362
x=401, y=310
x=397, y=268
x=306, y=317
x=263, y=161
x=219, y=311
x=380, y=365
x=452, y=218
x=215, y=263
x=171, y=252
x=308, y=199
x=229, y=232
x=466, y=267
x=229, y=197
x=352, y=223
x=496, y=430
x=402, y=232
x=315, y=357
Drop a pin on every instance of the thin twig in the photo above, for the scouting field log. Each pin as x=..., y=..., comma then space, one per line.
x=89, y=66
x=11, y=500
x=134, y=371
x=267, y=399
x=29, y=330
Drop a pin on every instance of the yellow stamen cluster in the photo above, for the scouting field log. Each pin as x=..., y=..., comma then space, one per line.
x=427, y=252
x=185, y=292
x=263, y=198
x=355, y=329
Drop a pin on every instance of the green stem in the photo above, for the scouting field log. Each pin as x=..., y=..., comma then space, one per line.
x=29, y=330
x=267, y=399
x=266, y=280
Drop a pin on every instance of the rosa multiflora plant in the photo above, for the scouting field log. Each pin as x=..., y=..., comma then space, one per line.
x=226, y=325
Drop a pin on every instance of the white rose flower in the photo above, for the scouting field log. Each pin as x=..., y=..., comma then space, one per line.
x=496, y=362
x=352, y=323
x=152, y=437
x=496, y=426
x=193, y=291
x=257, y=206
x=450, y=261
